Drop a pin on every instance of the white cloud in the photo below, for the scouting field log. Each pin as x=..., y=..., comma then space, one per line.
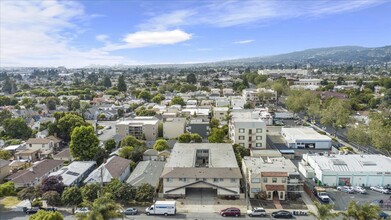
x=244, y=41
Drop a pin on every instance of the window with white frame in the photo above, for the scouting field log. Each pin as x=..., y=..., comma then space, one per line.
x=259, y=130
x=241, y=137
x=255, y=190
x=255, y=180
x=265, y=179
x=274, y=180
x=241, y=130
x=283, y=180
x=258, y=145
x=259, y=137
x=233, y=180
x=168, y=179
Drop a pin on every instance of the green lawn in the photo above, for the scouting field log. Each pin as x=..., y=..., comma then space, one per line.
x=9, y=201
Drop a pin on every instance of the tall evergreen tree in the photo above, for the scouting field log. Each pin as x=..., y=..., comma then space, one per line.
x=121, y=83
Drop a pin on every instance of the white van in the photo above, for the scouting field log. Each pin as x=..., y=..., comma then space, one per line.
x=162, y=208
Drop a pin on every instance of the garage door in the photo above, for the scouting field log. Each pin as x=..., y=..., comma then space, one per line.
x=200, y=193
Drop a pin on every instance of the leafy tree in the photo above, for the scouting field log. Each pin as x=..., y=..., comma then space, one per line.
x=324, y=212
x=90, y=191
x=177, y=101
x=361, y=212
x=216, y=136
x=52, y=198
x=7, y=189
x=110, y=145
x=380, y=131
x=52, y=183
x=46, y=215
x=72, y=196
x=104, y=208
x=158, y=98
x=242, y=151
x=145, y=193
x=5, y=155
x=107, y=82
x=73, y=104
x=214, y=123
x=336, y=114
x=122, y=192
x=51, y=102
x=248, y=105
x=359, y=135
x=28, y=193
x=145, y=95
x=126, y=152
x=191, y=78
x=132, y=141
x=17, y=128
x=67, y=123
x=161, y=145
x=184, y=138
x=84, y=143
x=9, y=86
x=196, y=138
x=280, y=88
x=5, y=114
x=121, y=83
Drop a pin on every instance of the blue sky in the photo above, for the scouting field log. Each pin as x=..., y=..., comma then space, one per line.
x=80, y=33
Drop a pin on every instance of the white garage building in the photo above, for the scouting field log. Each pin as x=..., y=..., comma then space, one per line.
x=305, y=138
x=351, y=169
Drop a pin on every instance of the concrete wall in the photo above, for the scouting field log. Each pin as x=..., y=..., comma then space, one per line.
x=173, y=129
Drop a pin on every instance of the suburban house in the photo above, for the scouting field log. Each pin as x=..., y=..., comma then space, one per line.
x=46, y=145
x=247, y=131
x=75, y=172
x=114, y=167
x=4, y=169
x=152, y=154
x=143, y=128
x=347, y=170
x=274, y=177
x=63, y=155
x=34, y=175
x=173, y=127
x=201, y=167
x=199, y=126
x=146, y=172
x=305, y=138
x=30, y=155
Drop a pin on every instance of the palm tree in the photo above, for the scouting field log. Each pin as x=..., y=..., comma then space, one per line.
x=361, y=212
x=325, y=212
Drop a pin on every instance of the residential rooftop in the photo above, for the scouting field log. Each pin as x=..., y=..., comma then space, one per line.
x=146, y=172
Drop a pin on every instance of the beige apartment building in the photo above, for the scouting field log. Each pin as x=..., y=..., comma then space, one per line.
x=220, y=113
x=247, y=131
x=143, y=128
x=203, y=168
x=173, y=127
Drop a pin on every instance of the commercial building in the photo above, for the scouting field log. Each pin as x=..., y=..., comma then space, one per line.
x=305, y=137
x=139, y=127
x=272, y=177
x=173, y=127
x=351, y=169
x=201, y=166
x=247, y=131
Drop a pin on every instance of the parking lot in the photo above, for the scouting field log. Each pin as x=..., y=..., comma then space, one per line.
x=341, y=200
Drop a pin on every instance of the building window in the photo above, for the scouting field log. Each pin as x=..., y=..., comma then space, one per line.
x=265, y=179
x=259, y=130
x=259, y=137
x=241, y=144
x=169, y=179
x=258, y=145
x=241, y=137
x=204, y=179
x=283, y=180
x=274, y=180
x=241, y=130
x=255, y=190
x=182, y=179
x=255, y=180
x=233, y=180
x=215, y=180
x=197, y=179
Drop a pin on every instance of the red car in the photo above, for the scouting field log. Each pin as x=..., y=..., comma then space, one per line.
x=230, y=212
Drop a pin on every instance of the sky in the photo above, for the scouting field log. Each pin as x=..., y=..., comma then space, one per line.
x=81, y=33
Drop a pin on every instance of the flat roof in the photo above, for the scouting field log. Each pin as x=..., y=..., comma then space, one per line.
x=140, y=120
x=275, y=164
x=220, y=155
x=351, y=163
x=303, y=133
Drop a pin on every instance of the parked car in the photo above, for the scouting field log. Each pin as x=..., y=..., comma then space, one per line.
x=282, y=214
x=31, y=210
x=52, y=209
x=130, y=211
x=378, y=202
x=83, y=210
x=383, y=215
x=230, y=212
x=380, y=189
x=359, y=189
x=346, y=189
x=257, y=211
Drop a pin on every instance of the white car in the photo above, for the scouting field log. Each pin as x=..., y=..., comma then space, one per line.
x=83, y=210
x=380, y=189
x=346, y=189
x=359, y=189
x=258, y=211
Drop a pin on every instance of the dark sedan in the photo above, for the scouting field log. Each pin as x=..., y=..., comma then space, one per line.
x=282, y=214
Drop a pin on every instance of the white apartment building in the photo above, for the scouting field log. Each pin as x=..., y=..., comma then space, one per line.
x=139, y=127
x=283, y=72
x=247, y=131
x=237, y=102
x=220, y=113
x=173, y=127
x=259, y=96
x=202, y=168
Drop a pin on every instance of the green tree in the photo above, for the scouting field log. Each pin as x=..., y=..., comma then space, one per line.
x=107, y=81
x=72, y=196
x=145, y=193
x=280, y=88
x=52, y=183
x=248, y=105
x=51, y=102
x=5, y=114
x=380, y=131
x=336, y=114
x=184, y=138
x=361, y=212
x=214, y=123
x=110, y=145
x=67, y=123
x=161, y=145
x=191, y=78
x=359, y=135
x=28, y=193
x=126, y=152
x=73, y=104
x=145, y=95
x=46, y=215
x=196, y=138
x=216, y=136
x=158, y=98
x=84, y=143
x=52, y=198
x=7, y=189
x=90, y=191
x=177, y=101
x=121, y=83
x=132, y=141
x=9, y=86
x=104, y=208
x=17, y=128
x=125, y=193
x=324, y=212
x=5, y=155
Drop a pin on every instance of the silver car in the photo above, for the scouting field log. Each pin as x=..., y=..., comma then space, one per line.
x=360, y=190
x=346, y=189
